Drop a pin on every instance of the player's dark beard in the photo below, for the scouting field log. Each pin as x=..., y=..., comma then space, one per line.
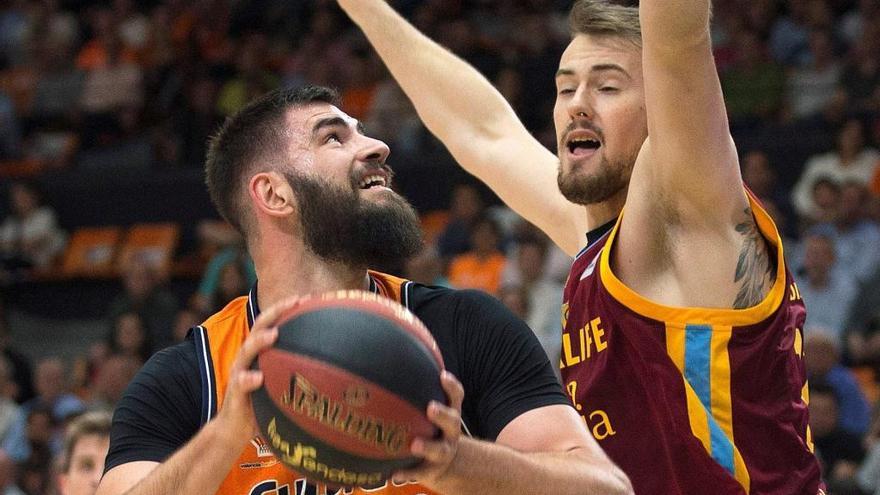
x=339, y=226
x=586, y=189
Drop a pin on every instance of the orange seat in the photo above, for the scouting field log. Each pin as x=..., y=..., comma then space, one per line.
x=867, y=383
x=17, y=169
x=433, y=223
x=153, y=242
x=91, y=252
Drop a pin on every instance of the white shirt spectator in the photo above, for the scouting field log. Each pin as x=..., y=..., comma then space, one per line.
x=829, y=166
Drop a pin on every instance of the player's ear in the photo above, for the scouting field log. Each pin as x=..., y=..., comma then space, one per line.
x=61, y=482
x=271, y=194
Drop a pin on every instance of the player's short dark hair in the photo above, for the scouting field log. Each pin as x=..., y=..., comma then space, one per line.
x=603, y=18
x=253, y=135
x=91, y=423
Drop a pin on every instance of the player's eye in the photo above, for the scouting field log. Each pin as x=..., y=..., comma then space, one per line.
x=332, y=137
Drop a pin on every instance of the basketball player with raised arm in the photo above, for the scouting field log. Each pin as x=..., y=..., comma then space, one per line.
x=682, y=338
x=310, y=192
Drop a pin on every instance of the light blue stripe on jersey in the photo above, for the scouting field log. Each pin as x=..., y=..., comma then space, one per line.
x=698, y=372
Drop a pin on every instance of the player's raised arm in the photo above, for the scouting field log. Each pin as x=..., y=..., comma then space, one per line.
x=472, y=119
x=686, y=205
x=691, y=162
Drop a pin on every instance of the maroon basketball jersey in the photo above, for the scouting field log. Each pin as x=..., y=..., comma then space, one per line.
x=690, y=400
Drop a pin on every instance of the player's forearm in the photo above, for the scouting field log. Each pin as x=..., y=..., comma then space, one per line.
x=199, y=467
x=490, y=468
x=674, y=23
x=452, y=98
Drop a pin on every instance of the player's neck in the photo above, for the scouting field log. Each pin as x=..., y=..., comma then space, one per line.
x=599, y=214
x=295, y=271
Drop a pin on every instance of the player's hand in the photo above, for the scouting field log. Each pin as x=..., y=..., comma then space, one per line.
x=237, y=415
x=439, y=454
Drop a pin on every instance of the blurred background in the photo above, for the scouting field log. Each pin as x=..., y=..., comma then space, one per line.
x=111, y=250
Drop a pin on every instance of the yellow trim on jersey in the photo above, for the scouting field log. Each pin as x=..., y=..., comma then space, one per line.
x=700, y=354
x=712, y=316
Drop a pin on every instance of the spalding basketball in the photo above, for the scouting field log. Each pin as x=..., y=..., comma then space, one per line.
x=346, y=387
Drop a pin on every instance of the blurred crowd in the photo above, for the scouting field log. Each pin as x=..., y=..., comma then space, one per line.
x=139, y=86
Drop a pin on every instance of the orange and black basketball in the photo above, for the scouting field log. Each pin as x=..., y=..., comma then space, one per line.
x=346, y=387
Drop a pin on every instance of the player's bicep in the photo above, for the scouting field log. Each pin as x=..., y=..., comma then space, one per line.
x=523, y=173
x=692, y=158
x=159, y=411
x=554, y=428
x=121, y=478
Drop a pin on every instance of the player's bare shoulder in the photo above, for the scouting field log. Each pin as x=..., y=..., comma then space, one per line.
x=756, y=266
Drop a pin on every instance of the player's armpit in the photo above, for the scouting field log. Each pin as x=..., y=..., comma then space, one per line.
x=121, y=478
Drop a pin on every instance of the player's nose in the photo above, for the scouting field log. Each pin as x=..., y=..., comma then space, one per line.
x=373, y=150
x=580, y=106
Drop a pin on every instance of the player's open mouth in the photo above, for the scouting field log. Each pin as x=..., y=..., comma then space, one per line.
x=578, y=145
x=372, y=181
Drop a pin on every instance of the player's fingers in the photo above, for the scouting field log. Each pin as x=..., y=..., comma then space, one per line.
x=433, y=451
x=446, y=418
x=245, y=381
x=453, y=388
x=256, y=342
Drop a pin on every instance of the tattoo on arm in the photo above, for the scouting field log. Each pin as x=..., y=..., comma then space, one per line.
x=755, y=270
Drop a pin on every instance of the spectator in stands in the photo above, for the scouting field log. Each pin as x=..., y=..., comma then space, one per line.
x=21, y=366
x=35, y=475
x=50, y=382
x=30, y=236
x=516, y=298
x=195, y=122
x=856, y=238
x=556, y=262
x=232, y=284
x=853, y=23
x=128, y=337
x=393, y=119
x=41, y=431
x=860, y=82
x=426, y=267
x=823, y=365
x=863, y=324
x=839, y=451
x=59, y=85
x=465, y=208
x=186, y=318
x=114, y=82
x=789, y=36
x=145, y=296
x=544, y=295
x=13, y=440
x=251, y=79
x=828, y=289
x=229, y=251
x=86, y=443
x=868, y=475
x=10, y=130
x=826, y=201
x=110, y=381
x=481, y=267
x=810, y=88
x=852, y=160
x=8, y=475
x=364, y=71
x=754, y=85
